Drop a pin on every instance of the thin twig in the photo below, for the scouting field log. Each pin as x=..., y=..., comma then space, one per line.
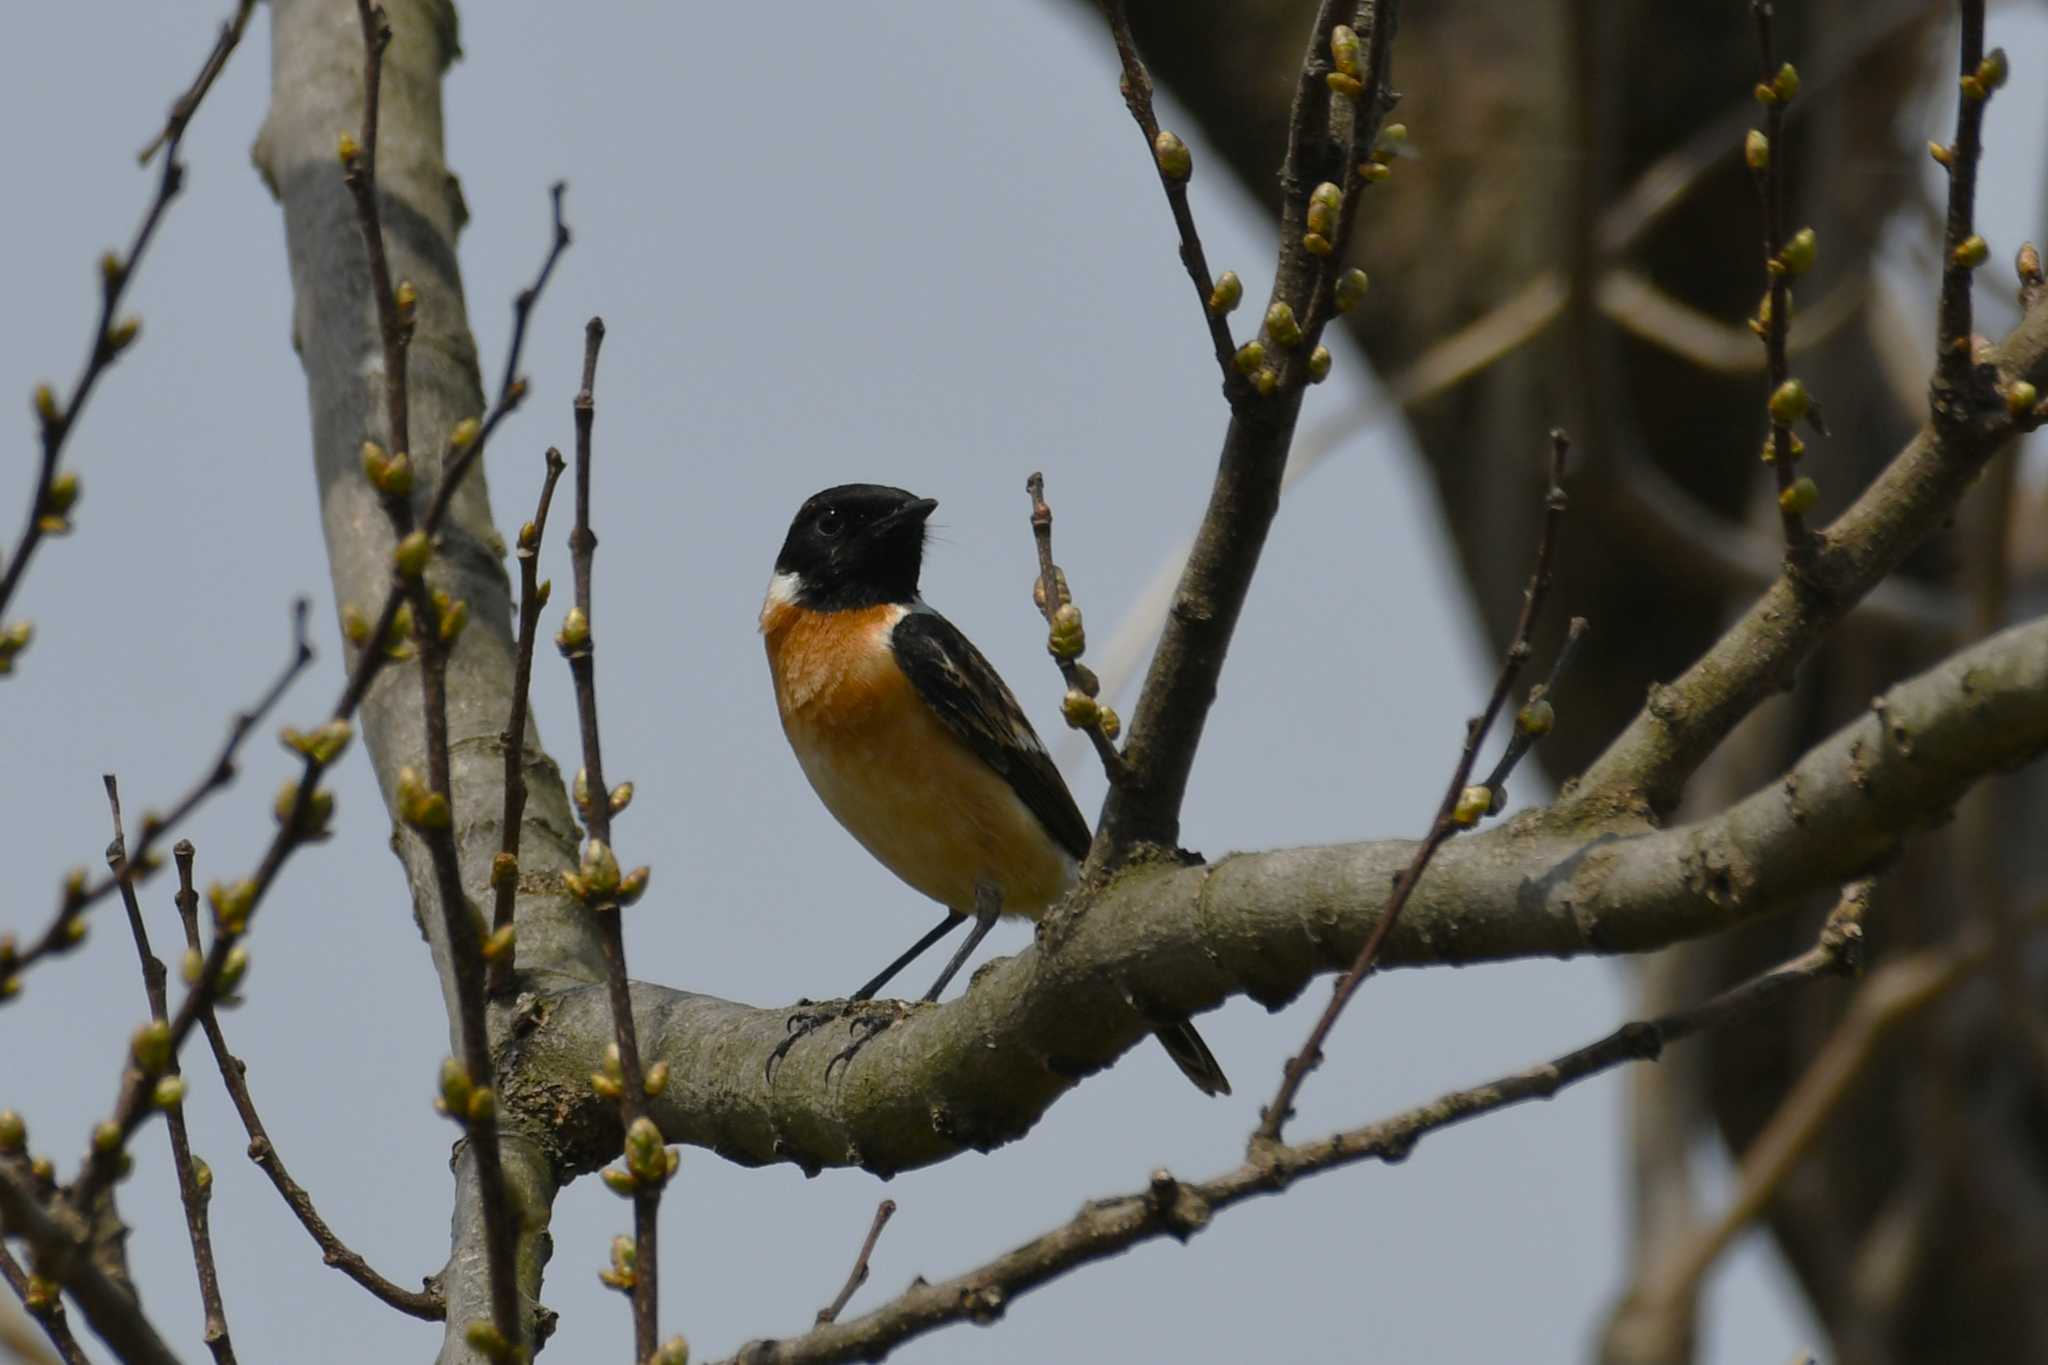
x=1533, y=721
x=50, y=1317
x=1455, y=812
x=234, y=1075
x=646, y=1158
x=1179, y=1209
x=62, y=1243
x=858, y=1276
x=1962, y=250
x=48, y=507
x=1094, y=719
x=78, y=897
x=1893, y=993
x=1326, y=146
x=505, y=868
x=170, y=1085
x=1775, y=88
x=1137, y=92
x=187, y=104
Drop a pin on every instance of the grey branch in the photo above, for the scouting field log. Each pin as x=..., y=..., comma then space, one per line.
x=1170, y=942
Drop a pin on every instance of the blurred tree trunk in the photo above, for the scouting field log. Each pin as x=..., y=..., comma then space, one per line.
x=1919, y=1226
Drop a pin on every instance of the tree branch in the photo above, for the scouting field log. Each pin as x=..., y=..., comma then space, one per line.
x=1645, y=768
x=1178, y=1209
x=977, y=1072
x=61, y=1240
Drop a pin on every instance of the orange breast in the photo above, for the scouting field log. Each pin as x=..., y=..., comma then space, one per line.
x=890, y=771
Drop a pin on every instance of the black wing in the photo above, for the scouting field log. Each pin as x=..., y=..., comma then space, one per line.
x=965, y=691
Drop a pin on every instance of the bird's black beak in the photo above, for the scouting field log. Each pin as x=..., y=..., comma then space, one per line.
x=909, y=514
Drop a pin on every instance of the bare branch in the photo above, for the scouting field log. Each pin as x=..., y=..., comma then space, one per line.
x=62, y=1241
x=63, y=932
x=193, y=1194
x=858, y=1276
x=1461, y=808
x=234, y=1075
x=49, y=508
x=979, y=1071
x=48, y=1311
x=1179, y=1209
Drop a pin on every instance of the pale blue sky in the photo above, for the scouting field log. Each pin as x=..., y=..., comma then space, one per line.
x=915, y=243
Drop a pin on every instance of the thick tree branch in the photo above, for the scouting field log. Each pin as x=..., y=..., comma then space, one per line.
x=1180, y=1209
x=1166, y=941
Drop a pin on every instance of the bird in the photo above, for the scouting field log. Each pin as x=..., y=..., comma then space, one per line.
x=912, y=740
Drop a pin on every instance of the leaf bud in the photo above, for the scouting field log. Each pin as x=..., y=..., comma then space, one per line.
x=1315, y=244
x=1175, y=161
x=1473, y=802
x=575, y=633
x=674, y=1351
x=1227, y=294
x=1266, y=382
x=1788, y=403
x=1079, y=709
x=1756, y=150
x=2020, y=398
x=1536, y=719
x=455, y=1088
x=1785, y=84
x=483, y=1104
x=349, y=149
x=169, y=1093
x=1345, y=84
x=1107, y=721
x=621, y=797
x=406, y=298
x=656, y=1079
x=44, y=400
x=646, y=1154
x=107, y=1137
x=1351, y=287
x=1798, y=499
x=499, y=943
x=13, y=1132
x=63, y=494
x=1373, y=172
x=465, y=433
x=1318, y=364
x=122, y=335
x=1798, y=255
x=1282, y=327
x=1325, y=202
x=151, y=1048
x=633, y=885
x=1970, y=252
x=619, y=1182
x=454, y=617
x=233, y=968
x=1344, y=49
x=1067, y=639
x=411, y=554
x=1250, y=357
x=202, y=1175
x=486, y=1340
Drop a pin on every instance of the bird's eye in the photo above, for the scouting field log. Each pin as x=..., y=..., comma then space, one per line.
x=830, y=523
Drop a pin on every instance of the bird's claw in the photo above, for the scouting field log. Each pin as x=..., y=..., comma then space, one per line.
x=799, y=1026
x=869, y=1020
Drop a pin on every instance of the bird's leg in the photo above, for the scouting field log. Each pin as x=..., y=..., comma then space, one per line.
x=945, y=926
x=988, y=906
x=806, y=1022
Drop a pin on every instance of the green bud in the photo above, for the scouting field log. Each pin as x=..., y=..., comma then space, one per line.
x=13, y=1133
x=483, y=1104
x=1971, y=252
x=455, y=1088
x=169, y=1093
x=1351, y=286
x=646, y=1155
x=1175, y=161
x=1474, y=802
x=122, y=335
x=599, y=869
x=1318, y=364
x=2020, y=398
x=1227, y=294
x=1107, y=721
x=1798, y=256
x=1282, y=327
x=486, y=1340
x=1079, y=709
x=464, y=435
x=233, y=968
x=1785, y=84
x=1315, y=244
x=1798, y=499
x=453, y=618
x=63, y=494
x=1250, y=357
x=619, y=1182
x=1992, y=71
x=407, y=298
x=1325, y=202
x=674, y=1351
x=410, y=556
x=656, y=1080
x=1345, y=84
x=1536, y=719
x=633, y=885
x=1788, y=403
x=1266, y=381
x=151, y=1047
x=575, y=632
x=202, y=1175
x=107, y=1137
x=621, y=797
x=191, y=966
x=1344, y=49
x=1756, y=150
x=499, y=943
x=349, y=150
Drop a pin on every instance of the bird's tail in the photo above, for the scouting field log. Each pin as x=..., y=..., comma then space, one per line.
x=1193, y=1057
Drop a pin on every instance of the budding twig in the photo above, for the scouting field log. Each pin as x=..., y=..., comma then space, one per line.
x=49, y=507
x=1067, y=641
x=234, y=1075
x=1783, y=260
x=65, y=931
x=1980, y=73
x=48, y=1315
x=1459, y=810
x=170, y=1088
x=647, y=1161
